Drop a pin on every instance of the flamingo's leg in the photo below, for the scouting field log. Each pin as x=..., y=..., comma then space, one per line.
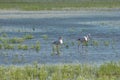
x=57, y=49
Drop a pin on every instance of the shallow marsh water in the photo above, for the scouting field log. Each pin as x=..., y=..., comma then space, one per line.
x=102, y=25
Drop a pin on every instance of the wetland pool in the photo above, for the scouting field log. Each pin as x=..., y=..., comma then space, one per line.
x=47, y=26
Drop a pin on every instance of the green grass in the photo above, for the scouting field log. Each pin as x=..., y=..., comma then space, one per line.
x=58, y=5
x=109, y=69
x=106, y=71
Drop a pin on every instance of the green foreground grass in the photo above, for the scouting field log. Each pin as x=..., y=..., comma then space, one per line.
x=106, y=71
x=58, y=5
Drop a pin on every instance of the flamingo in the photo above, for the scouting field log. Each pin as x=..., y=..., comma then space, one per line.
x=57, y=44
x=59, y=41
x=84, y=40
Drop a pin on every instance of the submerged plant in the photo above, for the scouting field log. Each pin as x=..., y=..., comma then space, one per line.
x=72, y=43
x=33, y=29
x=85, y=43
x=45, y=37
x=0, y=46
x=4, y=40
x=4, y=35
x=66, y=45
x=28, y=36
x=106, y=43
x=37, y=46
x=8, y=46
x=95, y=43
x=16, y=40
x=23, y=47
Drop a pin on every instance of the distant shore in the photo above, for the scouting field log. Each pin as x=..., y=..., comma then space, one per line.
x=63, y=9
x=38, y=6
x=12, y=13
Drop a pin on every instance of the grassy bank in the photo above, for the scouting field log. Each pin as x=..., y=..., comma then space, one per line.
x=58, y=5
x=107, y=71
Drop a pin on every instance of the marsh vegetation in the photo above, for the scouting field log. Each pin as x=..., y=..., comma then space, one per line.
x=17, y=42
x=57, y=5
x=106, y=71
x=25, y=39
x=28, y=38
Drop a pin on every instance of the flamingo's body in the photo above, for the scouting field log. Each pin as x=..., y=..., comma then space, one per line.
x=83, y=40
x=57, y=44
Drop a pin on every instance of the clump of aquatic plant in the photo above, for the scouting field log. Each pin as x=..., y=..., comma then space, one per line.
x=95, y=43
x=4, y=40
x=0, y=46
x=4, y=35
x=16, y=40
x=37, y=46
x=106, y=43
x=28, y=36
x=0, y=39
x=8, y=46
x=85, y=43
x=45, y=37
x=72, y=43
x=23, y=47
x=32, y=47
x=33, y=29
x=66, y=45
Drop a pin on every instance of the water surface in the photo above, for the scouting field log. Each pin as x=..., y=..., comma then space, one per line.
x=102, y=25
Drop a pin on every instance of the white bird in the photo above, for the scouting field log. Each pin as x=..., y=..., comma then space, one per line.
x=84, y=40
x=57, y=44
x=59, y=41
